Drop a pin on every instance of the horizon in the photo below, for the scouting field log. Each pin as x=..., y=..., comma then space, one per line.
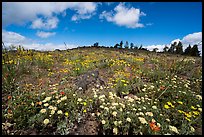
x=47, y=25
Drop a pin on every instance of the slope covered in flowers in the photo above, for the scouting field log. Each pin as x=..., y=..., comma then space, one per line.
x=143, y=93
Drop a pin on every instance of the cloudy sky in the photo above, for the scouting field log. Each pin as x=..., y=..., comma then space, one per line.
x=47, y=25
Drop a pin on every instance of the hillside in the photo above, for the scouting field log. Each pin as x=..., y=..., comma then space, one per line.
x=101, y=91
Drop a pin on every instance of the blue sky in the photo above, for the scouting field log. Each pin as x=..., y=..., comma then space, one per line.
x=47, y=26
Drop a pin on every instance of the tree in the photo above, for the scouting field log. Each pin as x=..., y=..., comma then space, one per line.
x=187, y=51
x=179, y=48
x=96, y=44
x=116, y=45
x=126, y=45
x=195, y=51
x=131, y=45
x=121, y=44
x=165, y=49
x=172, y=48
x=135, y=47
x=155, y=49
x=140, y=47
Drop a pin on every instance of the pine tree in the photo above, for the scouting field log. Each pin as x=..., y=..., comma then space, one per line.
x=179, y=48
x=131, y=45
x=126, y=45
x=121, y=44
x=187, y=50
x=195, y=51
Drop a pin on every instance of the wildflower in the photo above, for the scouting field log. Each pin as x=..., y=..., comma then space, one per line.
x=125, y=85
x=46, y=121
x=84, y=103
x=52, y=112
x=115, y=123
x=180, y=102
x=80, y=88
x=162, y=87
x=9, y=97
x=114, y=113
x=66, y=114
x=166, y=106
x=84, y=111
x=103, y=122
x=192, y=107
x=174, y=129
x=180, y=111
x=79, y=100
x=200, y=109
x=46, y=104
x=74, y=95
x=192, y=129
x=141, y=113
x=63, y=98
x=154, y=107
x=153, y=126
x=115, y=130
x=142, y=120
x=149, y=114
x=196, y=112
x=167, y=134
x=153, y=120
x=58, y=101
x=121, y=109
x=168, y=120
x=128, y=119
x=187, y=119
x=42, y=110
x=95, y=96
x=144, y=107
x=106, y=108
x=120, y=122
x=59, y=112
x=187, y=114
x=51, y=107
x=62, y=93
x=55, y=108
x=32, y=104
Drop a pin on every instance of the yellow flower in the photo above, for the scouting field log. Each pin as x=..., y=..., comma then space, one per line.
x=187, y=119
x=192, y=107
x=180, y=111
x=84, y=111
x=66, y=114
x=196, y=112
x=84, y=103
x=46, y=121
x=180, y=102
x=187, y=114
x=125, y=85
x=166, y=106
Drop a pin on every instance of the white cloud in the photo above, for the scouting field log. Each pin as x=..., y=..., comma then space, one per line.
x=43, y=34
x=160, y=47
x=48, y=24
x=124, y=16
x=13, y=38
x=23, y=12
x=191, y=39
